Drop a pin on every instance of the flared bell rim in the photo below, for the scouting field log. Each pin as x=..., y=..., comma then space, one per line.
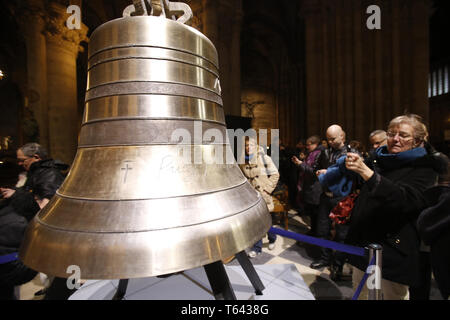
x=129, y=255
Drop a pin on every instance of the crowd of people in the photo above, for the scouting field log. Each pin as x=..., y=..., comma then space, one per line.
x=399, y=196
x=398, y=190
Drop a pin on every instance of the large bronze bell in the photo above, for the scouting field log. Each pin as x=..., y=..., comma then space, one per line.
x=131, y=206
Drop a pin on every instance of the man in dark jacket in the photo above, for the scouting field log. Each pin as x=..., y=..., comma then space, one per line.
x=328, y=200
x=43, y=179
x=42, y=173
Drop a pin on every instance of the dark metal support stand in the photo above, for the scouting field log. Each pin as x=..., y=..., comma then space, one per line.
x=217, y=277
x=220, y=284
x=121, y=289
x=250, y=271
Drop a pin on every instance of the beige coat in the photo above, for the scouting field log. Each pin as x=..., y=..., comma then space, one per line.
x=263, y=175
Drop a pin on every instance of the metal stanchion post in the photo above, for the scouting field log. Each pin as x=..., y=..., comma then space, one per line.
x=375, y=274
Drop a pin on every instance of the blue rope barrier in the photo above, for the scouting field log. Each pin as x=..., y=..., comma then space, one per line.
x=357, y=251
x=9, y=258
x=331, y=245
x=363, y=281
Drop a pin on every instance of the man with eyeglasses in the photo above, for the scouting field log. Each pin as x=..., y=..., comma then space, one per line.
x=43, y=174
x=43, y=179
x=378, y=138
x=336, y=138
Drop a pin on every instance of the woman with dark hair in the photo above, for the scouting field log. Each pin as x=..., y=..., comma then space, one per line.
x=308, y=186
x=390, y=201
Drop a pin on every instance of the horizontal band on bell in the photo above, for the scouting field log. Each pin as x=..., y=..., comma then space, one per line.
x=159, y=88
x=139, y=224
x=150, y=172
x=151, y=118
x=152, y=106
x=97, y=216
x=153, y=31
x=170, y=144
x=149, y=131
x=151, y=53
x=151, y=70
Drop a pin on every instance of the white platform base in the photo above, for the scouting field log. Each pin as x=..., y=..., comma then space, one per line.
x=282, y=282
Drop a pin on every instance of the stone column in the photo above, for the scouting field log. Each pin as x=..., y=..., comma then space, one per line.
x=235, y=54
x=221, y=22
x=420, y=30
x=32, y=23
x=315, y=103
x=63, y=46
x=228, y=47
x=210, y=20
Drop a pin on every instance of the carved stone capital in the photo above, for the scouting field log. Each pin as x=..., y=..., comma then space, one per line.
x=49, y=18
x=56, y=29
x=30, y=18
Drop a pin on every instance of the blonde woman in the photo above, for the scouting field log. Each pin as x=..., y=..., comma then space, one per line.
x=390, y=202
x=263, y=175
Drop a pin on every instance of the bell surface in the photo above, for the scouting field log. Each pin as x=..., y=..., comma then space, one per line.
x=146, y=195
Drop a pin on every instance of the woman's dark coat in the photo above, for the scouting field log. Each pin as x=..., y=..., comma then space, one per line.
x=308, y=184
x=386, y=212
x=434, y=228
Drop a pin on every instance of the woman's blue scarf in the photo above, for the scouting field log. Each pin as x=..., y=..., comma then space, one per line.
x=338, y=178
x=389, y=161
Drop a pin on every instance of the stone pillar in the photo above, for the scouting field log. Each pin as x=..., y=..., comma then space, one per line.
x=421, y=39
x=210, y=18
x=235, y=54
x=314, y=114
x=361, y=78
x=63, y=46
x=221, y=23
x=32, y=23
